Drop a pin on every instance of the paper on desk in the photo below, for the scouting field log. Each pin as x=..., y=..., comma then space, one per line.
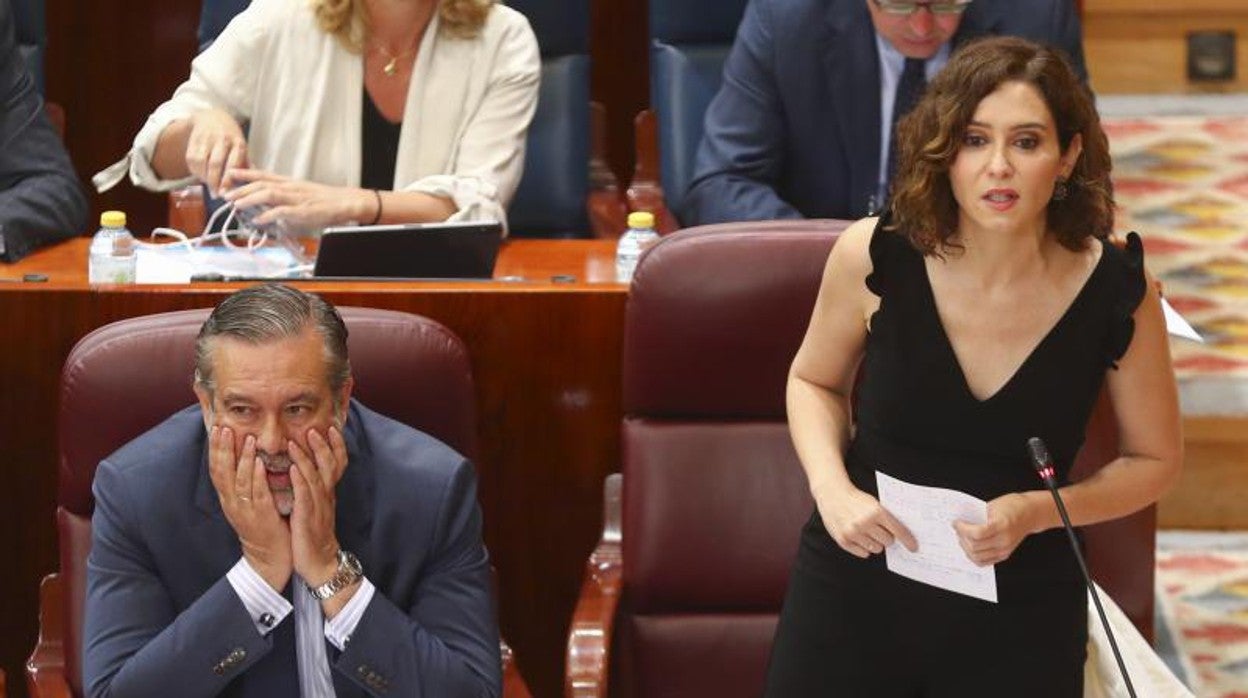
x=1177, y=325
x=175, y=264
x=929, y=513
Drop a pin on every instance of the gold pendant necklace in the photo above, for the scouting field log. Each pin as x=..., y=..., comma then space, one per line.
x=392, y=60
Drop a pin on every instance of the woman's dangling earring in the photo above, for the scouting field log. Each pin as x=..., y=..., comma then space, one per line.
x=1060, y=189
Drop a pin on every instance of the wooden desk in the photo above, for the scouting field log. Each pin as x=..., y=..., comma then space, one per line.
x=546, y=357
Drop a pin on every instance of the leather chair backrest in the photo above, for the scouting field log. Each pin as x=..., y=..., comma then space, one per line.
x=213, y=16
x=714, y=496
x=551, y=200
x=124, y=378
x=713, y=493
x=689, y=42
x=1122, y=553
x=28, y=16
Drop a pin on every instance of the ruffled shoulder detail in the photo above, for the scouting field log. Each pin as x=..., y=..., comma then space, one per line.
x=1129, y=291
x=883, y=257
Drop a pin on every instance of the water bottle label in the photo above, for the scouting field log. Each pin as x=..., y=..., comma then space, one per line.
x=111, y=270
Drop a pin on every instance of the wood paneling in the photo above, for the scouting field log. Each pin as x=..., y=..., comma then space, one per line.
x=1142, y=48
x=1161, y=7
x=621, y=70
x=546, y=358
x=109, y=64
x=1214, y=486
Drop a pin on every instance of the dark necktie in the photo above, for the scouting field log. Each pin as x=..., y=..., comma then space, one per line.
x=909, y=90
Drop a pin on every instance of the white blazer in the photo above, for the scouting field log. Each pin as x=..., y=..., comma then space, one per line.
x=299, y=93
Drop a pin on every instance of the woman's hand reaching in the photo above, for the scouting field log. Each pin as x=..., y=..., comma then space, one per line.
x=297, y=205
x=214, y=146
x=858, y=523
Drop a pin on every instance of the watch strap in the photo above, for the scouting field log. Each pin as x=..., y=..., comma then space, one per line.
x=349, y=572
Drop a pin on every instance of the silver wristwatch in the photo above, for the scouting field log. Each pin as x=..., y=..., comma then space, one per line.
x=349, y=572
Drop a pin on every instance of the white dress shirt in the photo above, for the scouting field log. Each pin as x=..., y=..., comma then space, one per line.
x=268, y=609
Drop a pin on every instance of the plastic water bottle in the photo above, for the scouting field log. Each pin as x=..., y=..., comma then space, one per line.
x=636, y=239
x=113, y=256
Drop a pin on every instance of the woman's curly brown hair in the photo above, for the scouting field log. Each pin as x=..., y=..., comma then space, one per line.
x=345, y=19
x=930, y=136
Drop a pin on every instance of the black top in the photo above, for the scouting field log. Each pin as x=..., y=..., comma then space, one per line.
x=918, y=421
x=380, y=147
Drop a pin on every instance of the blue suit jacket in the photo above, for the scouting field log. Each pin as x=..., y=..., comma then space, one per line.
x=41, y=200
x=795, y=128
x=160, y=613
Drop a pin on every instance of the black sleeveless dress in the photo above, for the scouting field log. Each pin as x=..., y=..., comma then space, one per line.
x=852, y=628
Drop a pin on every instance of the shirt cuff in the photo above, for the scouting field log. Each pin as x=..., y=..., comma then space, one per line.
x=266, y=607
x=475, y=199
x=338, y=629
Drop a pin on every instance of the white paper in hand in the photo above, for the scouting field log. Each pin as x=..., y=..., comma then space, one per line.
x=929, y=513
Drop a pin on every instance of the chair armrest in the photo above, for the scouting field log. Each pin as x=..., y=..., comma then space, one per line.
x=45, y=669
x=645, y=193
x=186, y=210
x=607, y=214
x=605, y=205
x=589, y=639
x=56, y=114
x=513, y=683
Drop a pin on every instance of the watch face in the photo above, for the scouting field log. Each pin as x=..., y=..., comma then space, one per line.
x=350, y=562
x=349, y=572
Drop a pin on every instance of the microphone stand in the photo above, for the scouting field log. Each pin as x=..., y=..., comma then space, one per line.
x=1044, y=468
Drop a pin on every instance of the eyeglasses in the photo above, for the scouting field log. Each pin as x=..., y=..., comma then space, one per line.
x=945, y=7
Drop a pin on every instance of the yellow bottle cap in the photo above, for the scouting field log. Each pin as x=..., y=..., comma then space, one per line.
x=641, y=219
x=113, y=219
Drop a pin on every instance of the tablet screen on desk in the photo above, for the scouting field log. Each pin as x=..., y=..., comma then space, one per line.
x=410, y=251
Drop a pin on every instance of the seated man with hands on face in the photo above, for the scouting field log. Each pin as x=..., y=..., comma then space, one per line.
x=280, y=538
x=317, y=113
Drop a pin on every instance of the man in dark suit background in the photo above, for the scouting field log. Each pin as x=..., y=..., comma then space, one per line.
x=801, y=124
x=281, y=539
x=41, y=200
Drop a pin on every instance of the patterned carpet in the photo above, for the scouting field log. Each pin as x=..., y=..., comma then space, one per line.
x=1182, y=182
x=1202, y=610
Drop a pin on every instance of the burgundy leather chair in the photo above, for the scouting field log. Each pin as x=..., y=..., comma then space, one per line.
x=682, y=595
x=124, y=378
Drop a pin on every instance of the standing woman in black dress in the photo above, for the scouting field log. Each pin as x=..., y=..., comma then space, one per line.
x=985, y=308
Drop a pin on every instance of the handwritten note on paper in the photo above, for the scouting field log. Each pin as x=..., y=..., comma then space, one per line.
x=929, y=513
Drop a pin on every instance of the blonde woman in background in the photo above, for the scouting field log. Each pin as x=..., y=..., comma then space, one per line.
x=325, y=112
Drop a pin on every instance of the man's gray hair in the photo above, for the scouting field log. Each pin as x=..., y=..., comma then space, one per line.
x=267, y=313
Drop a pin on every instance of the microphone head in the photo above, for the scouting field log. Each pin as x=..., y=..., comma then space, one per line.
x=1040, y=457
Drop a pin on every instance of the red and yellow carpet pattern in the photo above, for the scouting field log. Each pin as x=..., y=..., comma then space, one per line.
x=1202, y=598
x=1182, y=182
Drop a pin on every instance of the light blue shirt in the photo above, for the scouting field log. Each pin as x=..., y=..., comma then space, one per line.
x=891, y=65
x=311, y=628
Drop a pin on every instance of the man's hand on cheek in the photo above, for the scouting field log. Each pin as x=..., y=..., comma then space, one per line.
x=314, y=477
x=243, y=491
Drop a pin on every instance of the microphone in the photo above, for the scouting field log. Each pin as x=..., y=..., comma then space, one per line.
x=1043, y=463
